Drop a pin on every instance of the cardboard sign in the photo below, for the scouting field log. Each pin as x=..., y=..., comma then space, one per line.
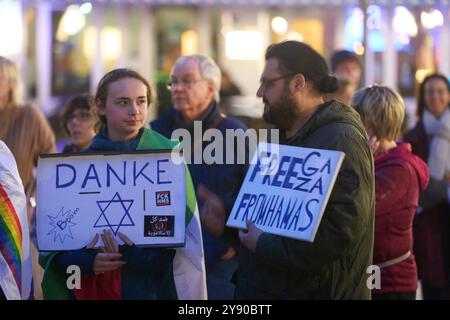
x=141, y=194
x=286, y=190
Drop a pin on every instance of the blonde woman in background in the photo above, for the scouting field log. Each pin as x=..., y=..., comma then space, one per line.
x=399, y=178
x=27, y=133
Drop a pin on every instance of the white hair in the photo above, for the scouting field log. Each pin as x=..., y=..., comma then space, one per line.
x=209, y=70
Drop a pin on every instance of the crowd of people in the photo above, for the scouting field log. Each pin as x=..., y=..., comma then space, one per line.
x=388, y=208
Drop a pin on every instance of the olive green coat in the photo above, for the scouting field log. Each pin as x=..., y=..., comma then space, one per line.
x=335, y=265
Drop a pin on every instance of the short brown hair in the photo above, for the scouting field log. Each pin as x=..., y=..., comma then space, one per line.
x=381, y=109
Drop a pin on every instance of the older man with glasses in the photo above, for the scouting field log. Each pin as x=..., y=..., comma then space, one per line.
x=194, y=85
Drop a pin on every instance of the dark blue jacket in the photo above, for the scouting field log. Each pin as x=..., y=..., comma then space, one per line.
x=223, y=179
x=148, y=272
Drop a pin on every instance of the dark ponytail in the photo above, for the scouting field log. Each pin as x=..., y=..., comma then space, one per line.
x=298, y=57
x=328, y=84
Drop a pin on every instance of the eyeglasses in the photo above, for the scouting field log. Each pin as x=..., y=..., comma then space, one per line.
x=265, y=83
x=185, y=83
x=82, y=116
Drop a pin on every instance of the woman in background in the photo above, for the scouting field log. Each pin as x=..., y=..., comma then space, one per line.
x=399, y=177
x=430, y=140
x=78, y=122
x=27, y=133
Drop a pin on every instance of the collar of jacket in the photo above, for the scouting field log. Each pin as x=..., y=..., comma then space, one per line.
x=101, y=142
x=329, y=112
x=207, y=118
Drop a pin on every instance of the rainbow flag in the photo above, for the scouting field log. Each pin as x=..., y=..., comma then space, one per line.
x=15, y=261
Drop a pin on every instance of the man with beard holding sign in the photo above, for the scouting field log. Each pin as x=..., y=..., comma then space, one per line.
x=335, y=265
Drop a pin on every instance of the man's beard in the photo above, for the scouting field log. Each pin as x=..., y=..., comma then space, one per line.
x=282, y=114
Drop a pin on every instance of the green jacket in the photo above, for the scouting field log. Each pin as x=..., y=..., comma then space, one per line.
x=335, y=265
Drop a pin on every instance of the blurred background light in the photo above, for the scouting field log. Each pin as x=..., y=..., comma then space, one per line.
x=279, y=25
x=189, y=42
x=86, y=8
x=404, y=22
x=72, y=21
x=432, y=19
x=111, y=42
x=294, y=35
x=11, y=28
x=243, y=45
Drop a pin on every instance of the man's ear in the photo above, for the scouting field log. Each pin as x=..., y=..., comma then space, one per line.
x=211, y=88
x=299, y=82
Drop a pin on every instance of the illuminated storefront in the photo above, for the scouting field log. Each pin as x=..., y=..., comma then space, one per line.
x=64, y=47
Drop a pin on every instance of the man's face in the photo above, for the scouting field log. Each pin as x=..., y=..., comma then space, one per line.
x=191, y=94
x=349, y=70
x=280, y=108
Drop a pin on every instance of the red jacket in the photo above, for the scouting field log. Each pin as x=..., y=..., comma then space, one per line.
x=399, y=177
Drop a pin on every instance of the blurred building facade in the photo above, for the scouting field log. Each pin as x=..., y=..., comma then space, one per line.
x=64, y=47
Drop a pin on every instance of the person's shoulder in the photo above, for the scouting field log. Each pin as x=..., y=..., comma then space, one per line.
x=230, y=122
x=416, y=134
x=29, y=109
x=341, y=130
x=30, y=113
x=156, y=139
x=164, y=118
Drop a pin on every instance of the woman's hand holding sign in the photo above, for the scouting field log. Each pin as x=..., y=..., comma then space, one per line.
x=109, y=242
x=106, y=261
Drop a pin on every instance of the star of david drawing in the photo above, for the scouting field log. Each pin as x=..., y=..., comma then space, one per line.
x=117, y=216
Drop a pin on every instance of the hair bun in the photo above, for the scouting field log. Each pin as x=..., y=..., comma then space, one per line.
x=329, y=84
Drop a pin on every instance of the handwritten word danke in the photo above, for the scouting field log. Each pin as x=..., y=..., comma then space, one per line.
x=128, y=172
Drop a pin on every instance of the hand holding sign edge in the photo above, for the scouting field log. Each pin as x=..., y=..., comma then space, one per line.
x=250, y=238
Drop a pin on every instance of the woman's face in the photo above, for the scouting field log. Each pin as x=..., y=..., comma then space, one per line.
x=80, y=124
x=125, y=109
x=436, y=96
x=5, y=89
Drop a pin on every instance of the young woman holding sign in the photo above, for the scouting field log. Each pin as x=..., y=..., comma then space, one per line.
x=121, y=271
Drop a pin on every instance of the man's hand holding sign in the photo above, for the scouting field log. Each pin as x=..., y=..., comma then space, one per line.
x=250, y=238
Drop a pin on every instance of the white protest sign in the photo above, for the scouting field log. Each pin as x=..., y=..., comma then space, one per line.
x=141, y=194
x=286, y=190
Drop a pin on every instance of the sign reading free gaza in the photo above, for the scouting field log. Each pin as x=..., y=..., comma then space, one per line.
x=141, y=194
x=286, y=190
